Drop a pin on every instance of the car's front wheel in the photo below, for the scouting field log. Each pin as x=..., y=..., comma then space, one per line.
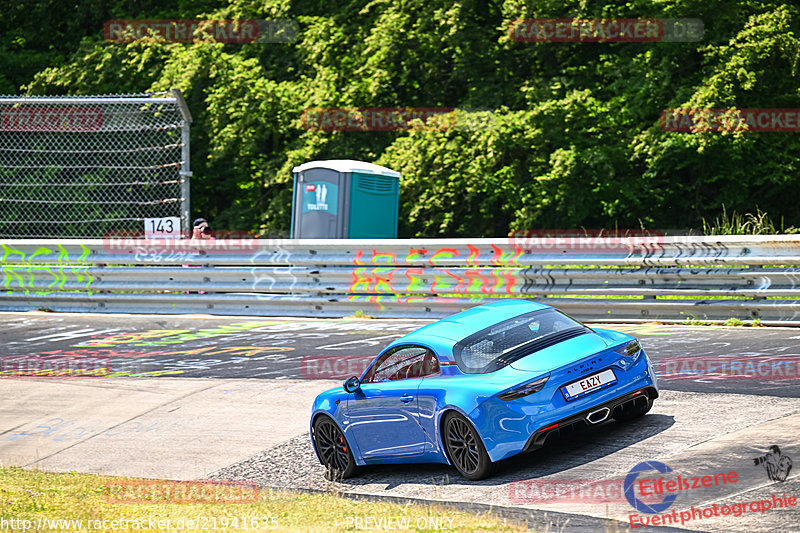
x=333, y=450
x=464, y=448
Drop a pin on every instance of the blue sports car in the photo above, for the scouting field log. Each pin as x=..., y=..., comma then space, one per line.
x=480, y=386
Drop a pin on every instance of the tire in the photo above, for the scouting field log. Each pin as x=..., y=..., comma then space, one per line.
x=464, y=448
x=635, y=413
x=333, y=450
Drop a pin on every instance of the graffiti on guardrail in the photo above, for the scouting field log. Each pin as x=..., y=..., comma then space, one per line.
x=45, y=269
x=45, y=279
x=424, y=278
x=264, y=281
x=381, y=272
x=499, y=279
x=679, y=253
x=43, y=254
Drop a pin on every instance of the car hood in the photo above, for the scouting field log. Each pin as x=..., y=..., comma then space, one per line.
x=562, y=354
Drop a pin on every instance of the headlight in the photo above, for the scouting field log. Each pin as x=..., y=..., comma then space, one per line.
x=630, y=352
x=524, y=390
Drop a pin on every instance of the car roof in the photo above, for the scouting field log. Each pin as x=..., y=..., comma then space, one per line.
x=442, y=335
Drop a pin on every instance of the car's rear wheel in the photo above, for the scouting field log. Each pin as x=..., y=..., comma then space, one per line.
x=333, y=449
x=632, y=413
x=465, y=449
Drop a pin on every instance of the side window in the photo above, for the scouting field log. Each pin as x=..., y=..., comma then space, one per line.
x=403, y=362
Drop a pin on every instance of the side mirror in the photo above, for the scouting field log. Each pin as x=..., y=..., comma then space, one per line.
x=352, y=384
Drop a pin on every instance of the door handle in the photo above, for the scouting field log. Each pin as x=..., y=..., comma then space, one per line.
x=406, y=398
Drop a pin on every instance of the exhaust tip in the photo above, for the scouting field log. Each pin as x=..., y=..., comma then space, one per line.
x=595, y=417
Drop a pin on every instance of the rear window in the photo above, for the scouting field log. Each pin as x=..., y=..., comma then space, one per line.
x=501, y=344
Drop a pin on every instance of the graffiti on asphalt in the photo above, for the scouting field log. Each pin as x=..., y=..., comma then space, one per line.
x=262, y=330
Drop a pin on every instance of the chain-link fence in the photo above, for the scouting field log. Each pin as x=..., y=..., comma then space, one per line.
x=90, y=166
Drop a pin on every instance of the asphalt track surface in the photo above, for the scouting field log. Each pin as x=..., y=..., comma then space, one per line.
x=281, y=348
x=711, y=417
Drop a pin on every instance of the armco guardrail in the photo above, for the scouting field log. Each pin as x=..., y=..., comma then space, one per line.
x=609, y=279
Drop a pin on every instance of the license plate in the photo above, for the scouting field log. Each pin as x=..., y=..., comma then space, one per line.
x=588, y=384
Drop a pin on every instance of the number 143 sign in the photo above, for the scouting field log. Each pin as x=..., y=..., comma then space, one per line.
x=162, y=228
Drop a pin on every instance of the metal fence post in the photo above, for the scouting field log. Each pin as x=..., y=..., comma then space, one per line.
x=185, y=173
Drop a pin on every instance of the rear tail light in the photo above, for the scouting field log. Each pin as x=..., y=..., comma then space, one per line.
x=630, y=352
x=630, y=349
x=524, y=390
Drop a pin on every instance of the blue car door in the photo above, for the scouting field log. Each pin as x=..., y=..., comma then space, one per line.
x=383, y=414
x=384, y=419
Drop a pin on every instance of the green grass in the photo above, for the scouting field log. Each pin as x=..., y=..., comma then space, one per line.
x=33, y=495
x=694, y=321
x=758, y=223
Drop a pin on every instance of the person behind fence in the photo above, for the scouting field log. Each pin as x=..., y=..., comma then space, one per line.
x=201, y=229
x=777, y=465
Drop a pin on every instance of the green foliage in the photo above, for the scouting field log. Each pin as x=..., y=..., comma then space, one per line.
x=747, y=224
x=694, y=321
x=733, y=322
x=574, y=137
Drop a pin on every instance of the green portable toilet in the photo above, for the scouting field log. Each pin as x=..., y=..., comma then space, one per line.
x=344, y=199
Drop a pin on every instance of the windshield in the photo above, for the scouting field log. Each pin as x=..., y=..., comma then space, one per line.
x=501, y=344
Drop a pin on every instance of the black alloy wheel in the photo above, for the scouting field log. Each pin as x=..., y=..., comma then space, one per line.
x=465, y=449
x=333, y=450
